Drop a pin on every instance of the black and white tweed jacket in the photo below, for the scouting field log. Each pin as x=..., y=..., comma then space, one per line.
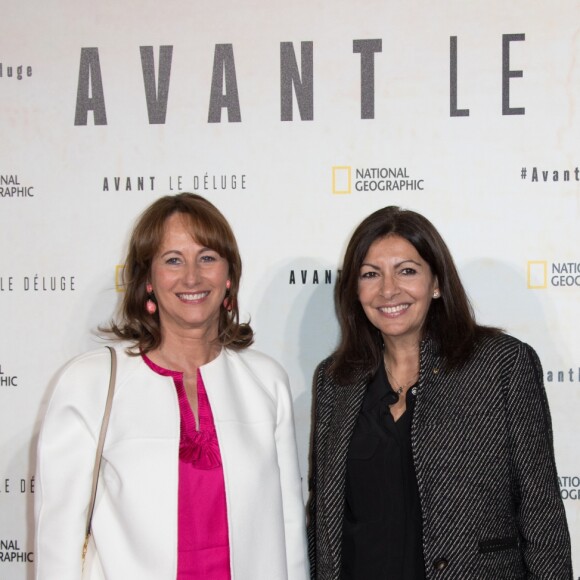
x=483, y=454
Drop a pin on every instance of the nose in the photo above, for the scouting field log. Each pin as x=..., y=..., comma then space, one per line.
x=389, y=287
x=191, y=274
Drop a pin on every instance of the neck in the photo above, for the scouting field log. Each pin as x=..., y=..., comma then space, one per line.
x=185, y=352
x=401, y=360
x=401, y=353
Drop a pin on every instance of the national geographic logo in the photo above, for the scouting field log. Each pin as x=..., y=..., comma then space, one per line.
x=7, y=380
x=569, y=487
x=119, y=283
x=11, y=186
x=10, y=551
x=341, y=179
x=543, y=274
x=373, y=179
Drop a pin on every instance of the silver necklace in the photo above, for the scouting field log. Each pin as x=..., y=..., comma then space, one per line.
x=399, y=389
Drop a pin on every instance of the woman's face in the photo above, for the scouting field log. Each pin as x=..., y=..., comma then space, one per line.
x=189, y=281
x=395, y=288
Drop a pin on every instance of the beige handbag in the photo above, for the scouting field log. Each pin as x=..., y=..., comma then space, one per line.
x=89, y=557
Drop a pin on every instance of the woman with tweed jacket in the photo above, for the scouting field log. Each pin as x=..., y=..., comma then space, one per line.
x=432, y=452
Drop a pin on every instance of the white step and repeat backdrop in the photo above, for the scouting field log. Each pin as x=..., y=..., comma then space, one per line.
x=297, y=120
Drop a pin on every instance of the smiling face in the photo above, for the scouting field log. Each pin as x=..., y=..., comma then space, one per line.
x=395, y=288
x=189, y=281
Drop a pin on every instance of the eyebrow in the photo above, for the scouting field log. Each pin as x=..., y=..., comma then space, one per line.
x=201, y=251
x=170, y=252
x=397, y=265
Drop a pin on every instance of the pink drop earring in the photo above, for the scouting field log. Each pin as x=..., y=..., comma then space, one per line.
x=227, y=303
x=150, y=306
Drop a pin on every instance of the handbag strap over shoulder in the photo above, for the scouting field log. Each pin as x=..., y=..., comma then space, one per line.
x=101, y=444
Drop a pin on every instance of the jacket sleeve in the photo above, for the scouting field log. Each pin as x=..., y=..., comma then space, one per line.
x=65, y=461
x=291, y=485
x=540, y=511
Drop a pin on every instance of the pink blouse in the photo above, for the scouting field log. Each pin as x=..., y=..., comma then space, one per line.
x=203, y=543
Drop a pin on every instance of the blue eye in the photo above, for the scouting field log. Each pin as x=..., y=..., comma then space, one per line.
x=208, y=258
x=173, y=260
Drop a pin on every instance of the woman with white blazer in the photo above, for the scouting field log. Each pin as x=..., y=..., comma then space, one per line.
x=199, y=477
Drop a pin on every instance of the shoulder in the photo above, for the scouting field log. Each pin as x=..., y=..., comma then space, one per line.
x=260, y=374
x=258, y=363
x=500, y=343
x=80, y=386
x=323, y=374
x=86, y=365
x=97, y=361
x=324, y=365
x=89, y=371
x=505, y=353
x=323, y=388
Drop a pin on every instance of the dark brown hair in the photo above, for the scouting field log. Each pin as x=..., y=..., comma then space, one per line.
x=450, y=321
x=209, y=228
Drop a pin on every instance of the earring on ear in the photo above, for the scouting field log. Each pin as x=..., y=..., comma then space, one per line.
x=227, y=303
x=150, y=306
x=436, y=294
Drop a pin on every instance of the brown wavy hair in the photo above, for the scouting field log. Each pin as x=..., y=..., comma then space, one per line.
x=209, y=228
x=450, y=321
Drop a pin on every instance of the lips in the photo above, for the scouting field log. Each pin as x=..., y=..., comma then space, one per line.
x=192, y=297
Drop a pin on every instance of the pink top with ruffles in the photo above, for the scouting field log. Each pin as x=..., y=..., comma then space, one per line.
x=203, y=543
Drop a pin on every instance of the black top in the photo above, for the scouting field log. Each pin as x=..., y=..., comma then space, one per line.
x=382, y=521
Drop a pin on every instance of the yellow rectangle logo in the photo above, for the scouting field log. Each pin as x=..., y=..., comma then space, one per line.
x=537, y=274
x=341, y=179
x=119, y=284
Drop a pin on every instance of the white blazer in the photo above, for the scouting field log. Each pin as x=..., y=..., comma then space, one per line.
x=135, y=518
